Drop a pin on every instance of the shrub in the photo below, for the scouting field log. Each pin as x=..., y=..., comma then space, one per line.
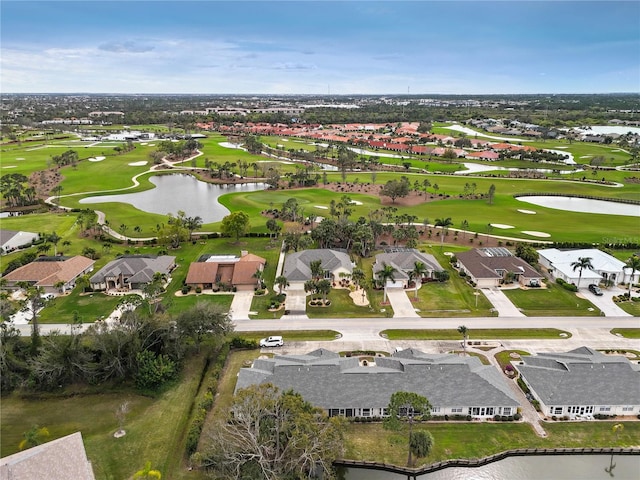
x=153, y=370
x=198, y=290
x=185, y=290
x=239, y=342
x=468, y=418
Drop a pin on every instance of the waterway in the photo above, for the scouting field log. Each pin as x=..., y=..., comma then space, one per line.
x=180, y=192
x=536, y=467
x=583, y=205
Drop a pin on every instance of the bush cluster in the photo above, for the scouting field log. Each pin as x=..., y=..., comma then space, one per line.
x=567, y=286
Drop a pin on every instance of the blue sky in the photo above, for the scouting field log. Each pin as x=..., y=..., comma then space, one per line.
x=313, y=47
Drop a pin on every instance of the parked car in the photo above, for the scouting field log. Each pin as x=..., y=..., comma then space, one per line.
x=595, y=289
x=534, y=283
x=273, y=341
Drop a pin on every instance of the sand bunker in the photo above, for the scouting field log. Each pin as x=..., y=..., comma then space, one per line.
x=138, y=164
x=501, y=225
x=322, y=207
x=560, y=147
x=586, y=156
x=533, y=233
x=528, y=212
x=355, y=202
x=9, y=166
x=152, y=144
x=20, y=158
x=230, y=145
x=97, y=159
x=144, y=143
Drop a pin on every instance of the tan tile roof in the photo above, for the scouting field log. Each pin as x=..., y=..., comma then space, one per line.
x=48, y=273
x=201, y=272
x=243, y=273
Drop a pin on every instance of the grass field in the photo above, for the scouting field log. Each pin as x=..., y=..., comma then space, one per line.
x=476, y=334
x=627, y=332
x=551, y=301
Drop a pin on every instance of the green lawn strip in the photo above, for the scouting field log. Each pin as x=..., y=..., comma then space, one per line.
x=341, y=306
x=504, y=357
x=627, y=332
x=292, y=335
x=155, y=427
x=375, y=296
x=261, y=304
x=475, y=334
x=632, y=308
x=179, y=304
x=371, y=442
x=551, y=302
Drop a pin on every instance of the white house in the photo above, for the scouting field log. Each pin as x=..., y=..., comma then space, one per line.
x=582, y=382
x=11, y=239
x=297, y=266
x=605, y=267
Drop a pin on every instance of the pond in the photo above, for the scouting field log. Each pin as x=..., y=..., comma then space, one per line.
x=548, y=467
x=180, y=192
x=583, y=205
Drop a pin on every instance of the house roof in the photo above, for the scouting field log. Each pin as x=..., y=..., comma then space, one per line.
x=243, y=267
x=484, y=263
x=327, y=380
x=59, y=459
x=561, y=260
x=202, y=272
x=582, y=377
x=404, y=260
x=46, y=272
x=297, y=265
x=135, y=268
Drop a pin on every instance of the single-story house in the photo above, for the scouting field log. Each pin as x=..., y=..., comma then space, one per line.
x=238, y=272
x=582, y=382
x=54, y=274
x=346, y=386
x=485, y=155
x=12, y=239
x=404, y=261
x=59, y=459
x=131, y=272
x=605, y=267
x=297, y=266
x=489, y=267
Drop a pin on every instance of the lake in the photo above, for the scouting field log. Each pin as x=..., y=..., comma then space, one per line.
x=180, y=192
x=535, y=467
x=583, y=205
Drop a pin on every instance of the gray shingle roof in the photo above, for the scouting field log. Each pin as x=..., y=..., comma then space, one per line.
x=138, y=268
x=582, y=377
x=404, y=261
x=327, y=380
x=297, y=265
x=483, y=264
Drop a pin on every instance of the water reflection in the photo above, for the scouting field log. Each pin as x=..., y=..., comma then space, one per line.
x=547, y=467
x=180, y=192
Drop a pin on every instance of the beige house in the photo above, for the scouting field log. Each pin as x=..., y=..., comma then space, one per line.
x=226, y=271
x=491, y=267
x=54, y=274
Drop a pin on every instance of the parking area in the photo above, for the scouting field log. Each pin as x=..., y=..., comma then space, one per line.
x=605, y=302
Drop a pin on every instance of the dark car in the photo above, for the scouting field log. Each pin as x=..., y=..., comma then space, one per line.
x=595, y=289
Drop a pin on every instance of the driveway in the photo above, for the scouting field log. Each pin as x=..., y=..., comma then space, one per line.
x=296, y=303
x=501, y=303
x=402, y=306
x=605, y=302
x=241, y=305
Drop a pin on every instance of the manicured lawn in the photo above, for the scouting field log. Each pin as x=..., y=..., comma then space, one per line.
x=632, y=308
x=475, y=440
x=181, y=303
x=475, y=334
x=551, y=301
x=90, y=307
x=341, y=306
x=155, y=426
x=505, y=359
x=627, y=332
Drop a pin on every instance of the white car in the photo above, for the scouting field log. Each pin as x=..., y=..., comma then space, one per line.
x=273, y=341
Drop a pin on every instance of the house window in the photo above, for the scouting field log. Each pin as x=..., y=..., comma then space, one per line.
x=506, y=410
x=627, y=409
x=328, y=275
x=605, y=409
x=456, y=410
x=366, y=412
x=334, y=412
x=556, y=410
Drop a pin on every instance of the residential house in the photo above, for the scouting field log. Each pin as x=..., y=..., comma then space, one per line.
x=491, y=267
x=297, y=266
x=60, y=459
x=606, y=268
x=54, y=274
x=484, y=155
x=349, y=387
x=404, y=261
x=226, y=270
x=582, y=382
x=131, y=272
x=10, y=240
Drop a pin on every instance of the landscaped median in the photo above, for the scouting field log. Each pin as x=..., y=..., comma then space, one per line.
x=477, y=334
x=626, y=332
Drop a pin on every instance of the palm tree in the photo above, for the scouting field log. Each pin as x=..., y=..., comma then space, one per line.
x=443, y=223
x=54, y=238
x=634, y=264
x=317, y=272
x=464, y=331
x=282, y=283
x=581, y=263
x=419, y=269
x=358, y=276
x=387, y=273
x=258, y=276
x=33, y=437
x=148, y=472
x=192, y=224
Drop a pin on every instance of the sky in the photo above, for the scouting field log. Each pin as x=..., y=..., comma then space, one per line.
x=320, y=47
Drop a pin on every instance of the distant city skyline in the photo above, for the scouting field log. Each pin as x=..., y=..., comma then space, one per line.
x=320, y=47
